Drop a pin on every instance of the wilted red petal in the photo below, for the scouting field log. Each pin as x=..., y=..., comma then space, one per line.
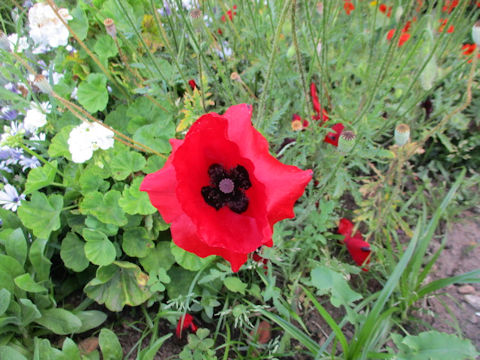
x=358, y=249
x=187, y=321
x=192, y=84
x=332, y=137
x=345, y=227
x=313, y=93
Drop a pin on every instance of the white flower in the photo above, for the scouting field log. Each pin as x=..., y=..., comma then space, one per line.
x=46, y=29
x=36, y=116
x=16, y=42
x=85, y=138
x=9, y=198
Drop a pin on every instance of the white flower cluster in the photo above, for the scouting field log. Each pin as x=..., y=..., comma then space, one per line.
x=46, y=29
x=36, y=116
x=86, y=138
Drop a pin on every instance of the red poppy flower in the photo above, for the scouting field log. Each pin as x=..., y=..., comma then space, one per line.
x=468, y=49
x=192, y=84
x=230, y=14
x=321, y=113
x=332, y=137
x=185, y=322
x=348, y=7
x=221, y=190
x=358, y=248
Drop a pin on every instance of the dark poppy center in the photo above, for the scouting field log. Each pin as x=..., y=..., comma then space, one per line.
x=227, y=188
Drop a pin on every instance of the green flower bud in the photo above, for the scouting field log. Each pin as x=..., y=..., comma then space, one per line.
x=402, y=134
x=476, y=33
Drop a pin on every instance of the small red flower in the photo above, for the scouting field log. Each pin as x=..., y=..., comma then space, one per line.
x=348, y=7
x=221, y=190
x=403, y=37
x=449, y=5
x=332, y=137
x=358, y=248
x=230, y=14
x=298, y=123
x=443, y=23
x=468, y=49
x=320, y=112
x=387, y=10
x=187, y=321
x=192, y=84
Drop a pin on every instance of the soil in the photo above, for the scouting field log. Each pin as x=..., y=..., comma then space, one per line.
x=461, y=255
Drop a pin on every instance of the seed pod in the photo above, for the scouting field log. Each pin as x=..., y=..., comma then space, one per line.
x=41, y=82
x=110, y=27
x=476, y=33
x=4, y=43
x=346, y=141
x=402, y=134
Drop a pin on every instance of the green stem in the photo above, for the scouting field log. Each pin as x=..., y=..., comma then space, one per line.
x=41, y=158
x=298, y=57
x=261, y=108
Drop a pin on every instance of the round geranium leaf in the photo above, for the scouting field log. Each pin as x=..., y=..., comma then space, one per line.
x=188, y=260
x=98, y=249
x=136, y=242
x=92, y=93
x=72, y=253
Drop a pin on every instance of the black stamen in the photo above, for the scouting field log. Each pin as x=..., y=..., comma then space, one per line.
x=365, y=248
x=227, y=188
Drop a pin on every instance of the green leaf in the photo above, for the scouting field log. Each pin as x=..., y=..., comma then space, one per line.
x=436, y=346
x=59, y=321
x=326, y=279
x=105, y=46
x=156, y=135
x=235, y=284
x=154, y=163
x=70, y=350
x=98, y=249
x=187, y=260
x=136, y=242
x=10, y=266
x=126, y=162
x=41, y=214
x=5, y=297
x=25, y=282
x=59, y=144
x=152, y=349
x=92, y=93
x=40, y=177
x=40, y=263
x=110, y=346
x=79, y=23
x=29, y=311
x=159, y=257
x=117, y=119
x=108, y=229
x=134, y=201
x=91, y=179
x=7, y=352
x=9, y=219
x=104, y=207
x=72, y=253
x=90, y=319
x=15, y=244
x=180, y=283
x=119, y=284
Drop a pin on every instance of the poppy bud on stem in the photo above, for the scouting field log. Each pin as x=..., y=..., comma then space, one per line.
x=476, y=33
x=110, y=27
x=41, y=82
x=402, y=134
